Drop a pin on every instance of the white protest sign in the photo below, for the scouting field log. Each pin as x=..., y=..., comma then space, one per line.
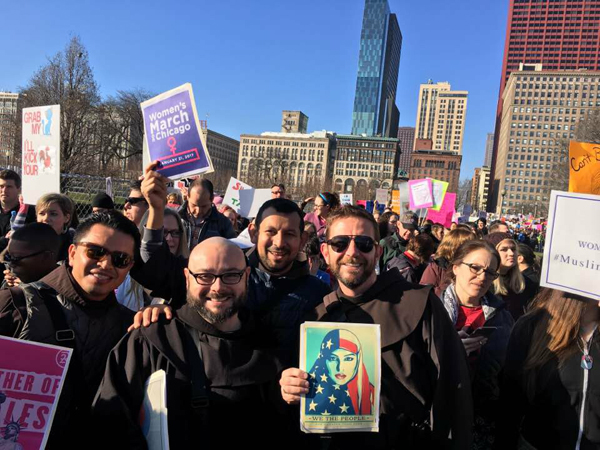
x=109, y=189
x=346, y=199
x=232, y=195
x=381, y=196
x=572, y=251
x=251, y=200
x=41, y=152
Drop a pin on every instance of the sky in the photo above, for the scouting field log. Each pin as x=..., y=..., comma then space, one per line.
x=248, y=60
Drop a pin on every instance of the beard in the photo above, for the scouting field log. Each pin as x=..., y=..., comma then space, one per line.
x=352, y=281
x=199, y=304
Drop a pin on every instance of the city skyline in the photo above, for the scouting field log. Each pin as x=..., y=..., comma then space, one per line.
x=243, y=88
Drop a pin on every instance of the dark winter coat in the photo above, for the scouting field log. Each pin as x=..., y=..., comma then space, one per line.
x=436, y=274
x=408, y=268
x=393, y=246
x=216, y=224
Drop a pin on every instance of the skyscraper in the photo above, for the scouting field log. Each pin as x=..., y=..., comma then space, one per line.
x=559, y=34
x=375, y=111
x=406, y=135
x=489, y=149
x=441, y=115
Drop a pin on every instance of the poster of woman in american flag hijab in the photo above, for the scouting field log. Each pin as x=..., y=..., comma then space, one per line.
x=343, y=361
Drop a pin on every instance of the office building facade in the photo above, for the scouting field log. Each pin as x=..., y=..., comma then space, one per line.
x=489, y=150
x=540, y=111
x=559, y=34
x=480, y=188
x=441, y=115
x=375, y=112
x=406, y=137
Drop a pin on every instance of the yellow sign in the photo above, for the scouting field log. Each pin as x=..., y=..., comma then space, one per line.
x=396, y=201
x=584, y=168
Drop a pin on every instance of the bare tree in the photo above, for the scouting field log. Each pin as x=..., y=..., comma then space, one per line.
x=67, y=80
x=463, y=196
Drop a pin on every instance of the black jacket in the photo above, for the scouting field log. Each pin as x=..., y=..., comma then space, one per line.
x=242, y=372
x=409, y=269
x=98, y=327
x=551, y=419
x=216, y=224
x=5, y=223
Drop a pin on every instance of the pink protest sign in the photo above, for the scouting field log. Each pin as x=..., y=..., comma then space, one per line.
x=420, y=193
x=446, y=212
x=31, y=379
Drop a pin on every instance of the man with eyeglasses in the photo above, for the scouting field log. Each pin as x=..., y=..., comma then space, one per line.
x=425, y=388
x=214, y=344
x=278, y=191
x=75, y=306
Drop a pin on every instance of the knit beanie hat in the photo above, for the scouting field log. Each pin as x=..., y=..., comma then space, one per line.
x=103, y=200
x=495, y=238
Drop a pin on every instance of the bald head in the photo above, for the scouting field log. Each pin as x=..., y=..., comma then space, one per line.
x=216, y=255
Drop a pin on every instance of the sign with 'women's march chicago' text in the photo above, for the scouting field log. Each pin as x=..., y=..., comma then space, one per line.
x=172, y=134
x=572, y=251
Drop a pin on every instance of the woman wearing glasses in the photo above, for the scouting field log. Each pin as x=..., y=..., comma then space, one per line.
x=324, y=204
x=483, y=324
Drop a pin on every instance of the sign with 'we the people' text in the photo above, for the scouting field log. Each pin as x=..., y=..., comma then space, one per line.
x=173, y=136
x=572, y=252
x=41, y=152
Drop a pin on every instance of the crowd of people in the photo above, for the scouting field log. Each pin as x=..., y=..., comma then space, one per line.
x=473, y=353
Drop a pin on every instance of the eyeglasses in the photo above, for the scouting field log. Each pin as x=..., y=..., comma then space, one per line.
x=134, y=200
x=208, y=279
x=173, y=233
x=476, y=269
x=340, y=243
x=11, y=260
x=118, y=259
x=276, y=192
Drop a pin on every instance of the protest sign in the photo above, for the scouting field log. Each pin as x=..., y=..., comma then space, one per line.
x=467, y=210
x=381, y=196
x=173, y=135
x=41, y=152
x=446, y=212
x=343, y=361
x=439, y=189
x=482, y=215
x=420, y=195
x=109, y=187
x=251, y=200
x=362, y=203
x=31, y=379
x=153, y=415
x=571, y=255
x=396, y=201
x=346, y=199
x=584, y=167
x=232, y=195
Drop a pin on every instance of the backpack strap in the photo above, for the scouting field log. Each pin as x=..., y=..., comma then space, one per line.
x=199, y=401
x=63, y=333
x=18, y=299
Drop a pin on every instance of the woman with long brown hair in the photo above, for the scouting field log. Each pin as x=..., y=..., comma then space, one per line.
x=438, y=270
x=549, y=392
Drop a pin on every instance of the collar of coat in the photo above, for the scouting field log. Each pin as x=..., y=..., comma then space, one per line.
x=299, y=268
x=392, y=302
x=490, y=304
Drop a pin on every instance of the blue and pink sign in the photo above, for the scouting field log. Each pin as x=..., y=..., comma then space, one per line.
x=172, y=134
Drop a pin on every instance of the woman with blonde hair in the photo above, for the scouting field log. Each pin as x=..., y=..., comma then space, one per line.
x=549, y=389
x=510, y=286
x=58, y=211
x=437, y=271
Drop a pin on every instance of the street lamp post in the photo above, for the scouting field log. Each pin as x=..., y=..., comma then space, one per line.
x=502, y=194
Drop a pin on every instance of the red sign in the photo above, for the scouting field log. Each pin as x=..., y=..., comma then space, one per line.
x=31, y=379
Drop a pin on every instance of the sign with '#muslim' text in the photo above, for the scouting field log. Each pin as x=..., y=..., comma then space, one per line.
x=572, y=251
x=31, y=379
x=343, y=362
x=173, y=135
x=41, y=152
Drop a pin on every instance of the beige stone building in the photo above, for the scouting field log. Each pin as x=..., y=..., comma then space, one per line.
x=223, y=152
x=299, y=160
x=8, y=113
x=364, y=164
x=480, y=188
x=441, y=114
x=540, y=108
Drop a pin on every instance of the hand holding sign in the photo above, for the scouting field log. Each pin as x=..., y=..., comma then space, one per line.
x=154, y=186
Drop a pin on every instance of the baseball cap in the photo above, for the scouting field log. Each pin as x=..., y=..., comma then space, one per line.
x=409, y=220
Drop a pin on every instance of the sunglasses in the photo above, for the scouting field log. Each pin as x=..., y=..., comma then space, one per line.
x=11, y=260
x=340, y=243
x=119, y=259
x=134, y=200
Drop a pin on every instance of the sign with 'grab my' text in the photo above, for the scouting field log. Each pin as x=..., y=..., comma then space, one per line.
x=572, y=251
x=172, y=134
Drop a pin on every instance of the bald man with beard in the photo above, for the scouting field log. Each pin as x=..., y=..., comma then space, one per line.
x=221, y=370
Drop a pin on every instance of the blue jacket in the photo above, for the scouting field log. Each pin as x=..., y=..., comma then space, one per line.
x=216, y=224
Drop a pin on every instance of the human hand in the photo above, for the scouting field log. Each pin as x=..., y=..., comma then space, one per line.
x=308, y=200
x=149, y=315
x=294, y=383
x=471, y=343
x=11, y=279
x=154, y=187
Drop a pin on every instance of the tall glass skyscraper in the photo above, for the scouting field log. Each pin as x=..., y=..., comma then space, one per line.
x=375, y=112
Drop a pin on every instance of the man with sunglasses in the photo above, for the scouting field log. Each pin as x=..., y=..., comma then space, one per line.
x=75, y=306
x=135, y=205
x=214, y=344
x=425, y=388
x=31, y=254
